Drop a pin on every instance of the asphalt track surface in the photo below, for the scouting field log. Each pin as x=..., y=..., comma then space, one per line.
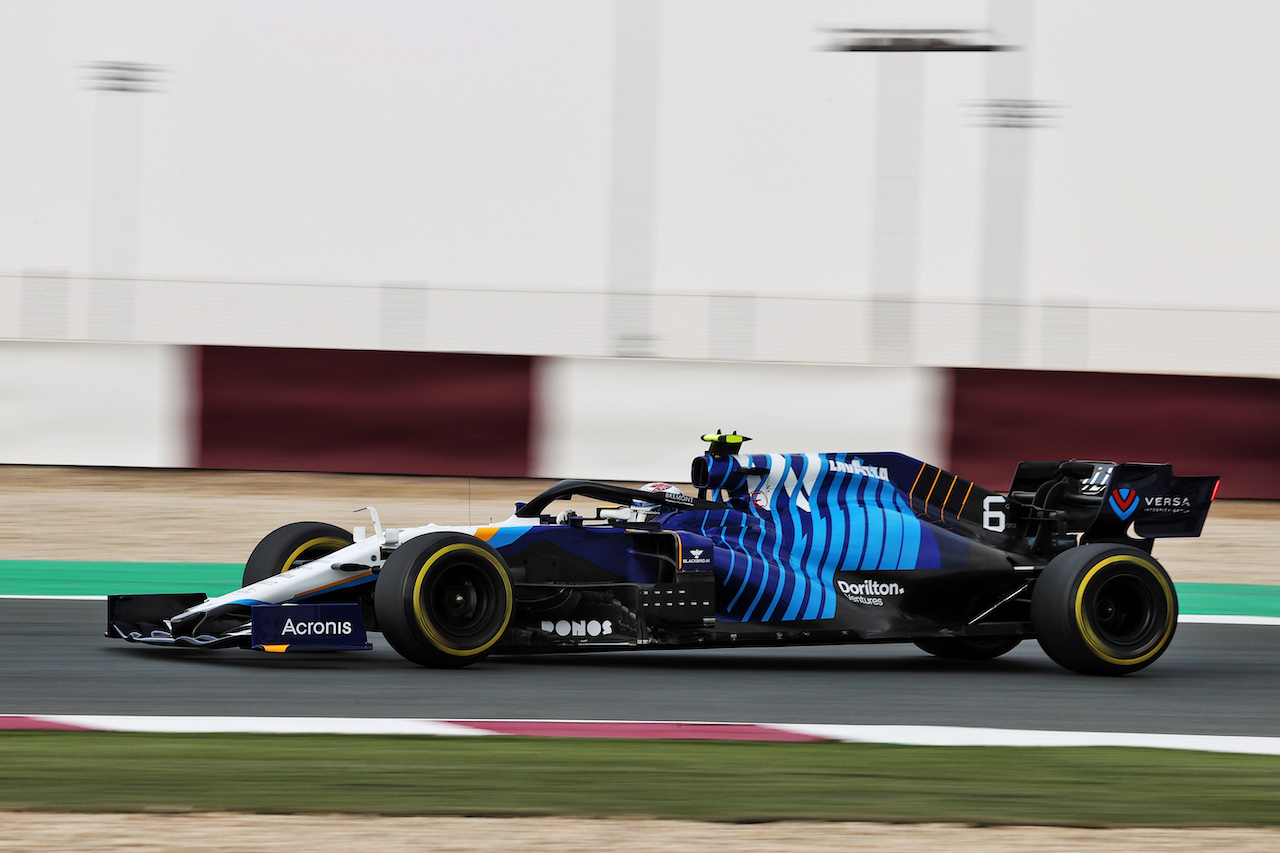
x=1215, y=679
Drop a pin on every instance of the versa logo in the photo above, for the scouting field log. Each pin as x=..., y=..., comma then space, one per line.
x=1123, y=502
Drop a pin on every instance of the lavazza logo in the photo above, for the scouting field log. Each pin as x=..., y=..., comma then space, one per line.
x=856, y=467
x=869, y=591
x=311, y=629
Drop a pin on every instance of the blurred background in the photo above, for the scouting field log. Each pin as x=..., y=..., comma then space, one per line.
x=566, y=238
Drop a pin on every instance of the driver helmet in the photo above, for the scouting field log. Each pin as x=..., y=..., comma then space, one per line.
x=642, y=510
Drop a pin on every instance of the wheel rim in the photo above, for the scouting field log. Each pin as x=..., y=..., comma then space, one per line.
x=1124, y=610
x=460, y=602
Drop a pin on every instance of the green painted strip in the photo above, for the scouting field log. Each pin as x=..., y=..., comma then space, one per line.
x=1228, y=599
x=69, y=577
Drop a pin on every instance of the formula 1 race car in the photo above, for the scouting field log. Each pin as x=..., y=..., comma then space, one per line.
x=774, y=550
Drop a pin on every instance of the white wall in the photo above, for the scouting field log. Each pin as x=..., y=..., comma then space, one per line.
x=95, y=404
x=631, y=419
x=627, y=419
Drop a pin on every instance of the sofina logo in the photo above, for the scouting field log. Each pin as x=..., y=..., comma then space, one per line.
x=1123, y=502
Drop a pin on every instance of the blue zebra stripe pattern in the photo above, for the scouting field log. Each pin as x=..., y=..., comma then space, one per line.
x=797, y=519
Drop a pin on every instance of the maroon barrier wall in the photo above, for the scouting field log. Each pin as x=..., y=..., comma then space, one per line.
x=1202, y=424
x=364, y=412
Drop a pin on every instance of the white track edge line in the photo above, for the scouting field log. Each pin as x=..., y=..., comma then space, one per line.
x=1208, y=619
x=57, y=597
x=966, y=736
x=902, y=735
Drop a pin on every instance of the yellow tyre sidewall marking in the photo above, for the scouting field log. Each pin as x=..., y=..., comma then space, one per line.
x=425, y=623
x=312, y=543
x=1101, y=649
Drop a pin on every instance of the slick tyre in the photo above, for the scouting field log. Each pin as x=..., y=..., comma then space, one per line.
x=443, y=599
x=293, y=545
x=1104, y=609
x=968, y=648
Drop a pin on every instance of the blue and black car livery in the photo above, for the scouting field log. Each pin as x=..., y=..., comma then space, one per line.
x=774, y=549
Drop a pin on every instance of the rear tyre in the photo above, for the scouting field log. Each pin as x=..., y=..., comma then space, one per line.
x=293, y=545
x=1104, y=609
x=443, y=599
x=968, y=648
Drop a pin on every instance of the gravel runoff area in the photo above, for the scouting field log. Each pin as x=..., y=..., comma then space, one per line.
x=205, y=833
x=55, y=513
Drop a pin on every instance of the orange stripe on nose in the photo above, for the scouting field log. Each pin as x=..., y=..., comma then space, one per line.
x=336, y=583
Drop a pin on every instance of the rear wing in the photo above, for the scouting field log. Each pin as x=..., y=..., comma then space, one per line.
x=1156, y=503
x=1105, y=502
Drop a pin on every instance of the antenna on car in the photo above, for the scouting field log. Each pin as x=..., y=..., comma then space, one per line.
x=725, y=445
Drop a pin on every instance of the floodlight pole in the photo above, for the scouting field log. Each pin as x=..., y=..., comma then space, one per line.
x=899, y=135
x=117, y=168
x=1008, y=113
x=633, y=177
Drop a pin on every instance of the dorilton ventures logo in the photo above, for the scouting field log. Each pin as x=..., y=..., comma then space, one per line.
x=868, y=591
x=1123, y=503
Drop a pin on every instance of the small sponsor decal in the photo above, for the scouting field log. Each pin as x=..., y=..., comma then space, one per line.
x=697, y=556
x=759, y=499
x=857, y=467
x=1165, y=504
x=578, y=627
x=1124, y=502
x=871, y=592
x=1098, y=480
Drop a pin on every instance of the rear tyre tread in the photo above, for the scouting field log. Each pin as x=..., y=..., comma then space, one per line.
x=1104, y=609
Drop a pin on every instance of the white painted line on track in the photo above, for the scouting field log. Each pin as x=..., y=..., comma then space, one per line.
x=964, y=736
x=1205, y=619
x=904, y=735
x=58, y=597
x=260, y=725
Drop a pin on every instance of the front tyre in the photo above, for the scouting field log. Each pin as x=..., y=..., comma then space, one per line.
x=443, y=599
x=293, y=545
x=1104, y=609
